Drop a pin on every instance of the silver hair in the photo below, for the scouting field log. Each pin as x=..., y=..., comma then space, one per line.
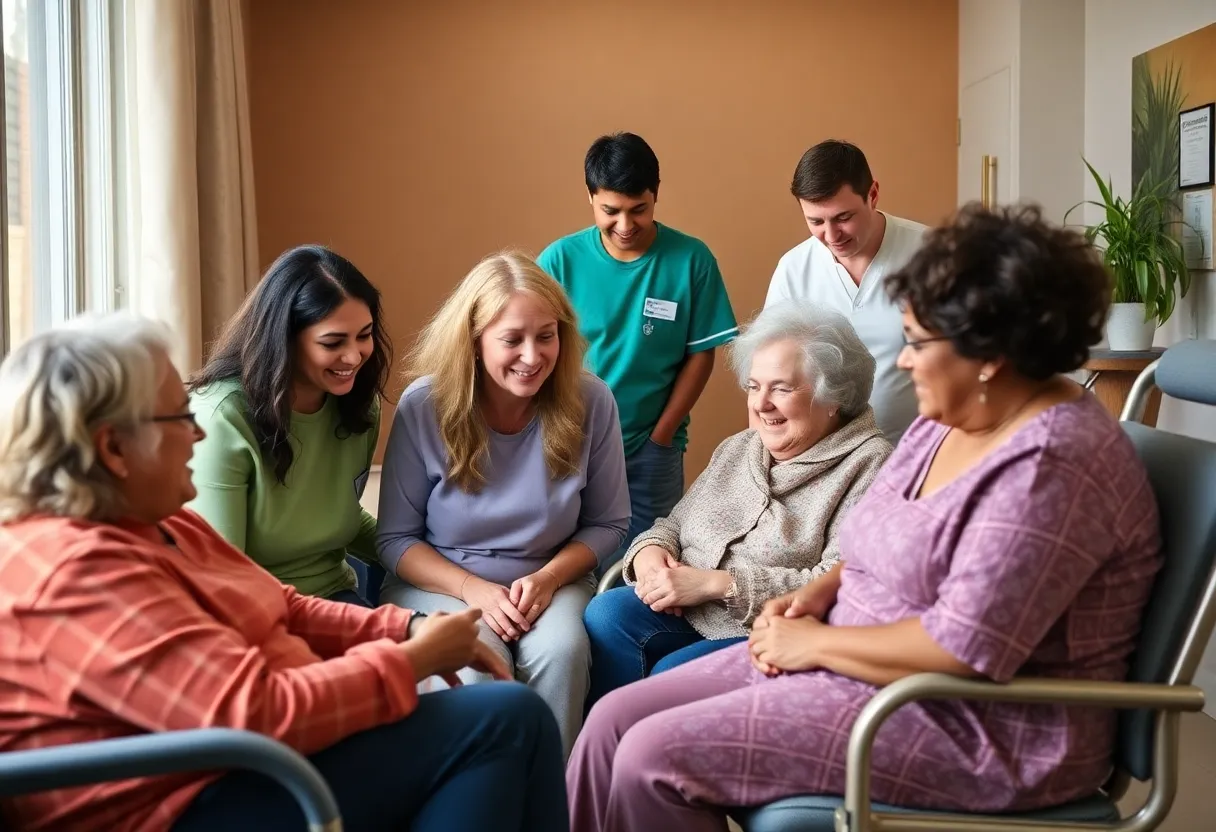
x=58, y=388
x=837, y=364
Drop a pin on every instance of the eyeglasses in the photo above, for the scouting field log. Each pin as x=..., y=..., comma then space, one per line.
x=919, y=343
x=176, y=417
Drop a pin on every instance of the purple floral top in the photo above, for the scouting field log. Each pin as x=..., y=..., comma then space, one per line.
x=1036, y=562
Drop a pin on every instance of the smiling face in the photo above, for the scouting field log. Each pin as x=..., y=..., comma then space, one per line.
x=781, y=406
x=330, y=353
x=626, y=223
x=946, y=385
x=520, y=347
x=845, y=222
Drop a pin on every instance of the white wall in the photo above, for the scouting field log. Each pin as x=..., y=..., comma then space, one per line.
x=1115, y=32
x=1051, y=92
x=989, y=38
x=1038, y=41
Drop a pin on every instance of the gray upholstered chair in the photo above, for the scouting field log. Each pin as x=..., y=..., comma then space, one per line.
x=206, y=749
x=1177, y=625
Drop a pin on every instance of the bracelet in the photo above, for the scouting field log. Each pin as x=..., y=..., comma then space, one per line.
x=460, y=592
x=732, y=591
x=416, y=618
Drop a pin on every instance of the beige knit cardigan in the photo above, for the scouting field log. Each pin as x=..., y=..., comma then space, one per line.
x=772, y=526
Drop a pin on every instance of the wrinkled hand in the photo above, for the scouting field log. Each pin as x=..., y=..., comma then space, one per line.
x=647, y=562
x=494, y=601
x=651, y=559
x=784, y=645
x=532, y=594
x=444, y=644
x=676, y=587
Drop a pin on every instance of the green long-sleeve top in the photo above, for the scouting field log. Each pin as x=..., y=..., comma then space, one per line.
x=300, y=530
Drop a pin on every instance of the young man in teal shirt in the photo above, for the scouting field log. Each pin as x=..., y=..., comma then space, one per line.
x=652, y=305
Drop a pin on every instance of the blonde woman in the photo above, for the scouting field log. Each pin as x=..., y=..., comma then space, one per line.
x=504, y=477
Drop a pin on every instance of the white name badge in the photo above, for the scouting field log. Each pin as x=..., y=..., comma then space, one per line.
x=664, y=310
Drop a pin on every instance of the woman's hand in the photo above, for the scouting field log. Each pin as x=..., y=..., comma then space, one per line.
x=444, y=644
x=812, y=599
x=672, y=587
x=784, y=645
x=494, y=601
x=532, y=594
x=651, y=559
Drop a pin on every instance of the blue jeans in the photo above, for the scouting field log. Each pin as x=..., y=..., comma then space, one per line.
x=656, y=483
x=630, y=641
x=350, y=596
x=370, y=576
x=477, y=757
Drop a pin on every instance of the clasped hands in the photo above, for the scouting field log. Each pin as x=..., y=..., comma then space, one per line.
x=785, y=634
x=511, y=611
x=666, y=585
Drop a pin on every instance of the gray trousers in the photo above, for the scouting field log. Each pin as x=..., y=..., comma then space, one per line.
x=553, y=658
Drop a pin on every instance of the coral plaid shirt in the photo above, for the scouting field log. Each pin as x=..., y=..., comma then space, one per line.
x=104, y=633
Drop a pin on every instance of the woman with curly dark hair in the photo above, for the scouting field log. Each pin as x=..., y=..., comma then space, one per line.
x=1012, y=532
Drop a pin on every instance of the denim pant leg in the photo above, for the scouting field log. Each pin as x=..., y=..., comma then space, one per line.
x=656, y=483
x=370, y=576
x=693, y=651
x=628, y=639
x=350, y=596
x=480, y=757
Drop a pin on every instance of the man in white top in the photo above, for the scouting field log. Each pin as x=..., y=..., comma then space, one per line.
x=852, y=247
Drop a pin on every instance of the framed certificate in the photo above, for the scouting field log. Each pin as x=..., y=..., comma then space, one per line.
x=1195, y=146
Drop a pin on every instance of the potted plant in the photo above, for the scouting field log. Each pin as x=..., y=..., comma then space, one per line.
x=1141, y=248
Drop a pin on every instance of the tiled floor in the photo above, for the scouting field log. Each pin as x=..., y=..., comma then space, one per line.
x=1195, y=805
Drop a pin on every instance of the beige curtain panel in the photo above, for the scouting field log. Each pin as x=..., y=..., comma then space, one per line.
x=190, y=215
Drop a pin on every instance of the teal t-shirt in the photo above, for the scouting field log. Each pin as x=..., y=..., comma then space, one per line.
x=301, y=530
x=643, y=318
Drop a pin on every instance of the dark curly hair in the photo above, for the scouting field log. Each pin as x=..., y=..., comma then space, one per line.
x=1007, y=284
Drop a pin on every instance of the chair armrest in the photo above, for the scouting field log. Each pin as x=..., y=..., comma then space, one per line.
x=611, y=575
x=943, y=686
x=172, y=752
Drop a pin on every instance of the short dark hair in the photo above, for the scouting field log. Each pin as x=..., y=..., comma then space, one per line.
x=1007, y=284
x=829, y=166
x=621, y=162
x=304, y=286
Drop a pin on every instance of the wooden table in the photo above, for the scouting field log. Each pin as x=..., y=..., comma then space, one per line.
x=1111, y=377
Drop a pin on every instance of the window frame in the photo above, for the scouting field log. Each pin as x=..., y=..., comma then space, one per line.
x=76, y=182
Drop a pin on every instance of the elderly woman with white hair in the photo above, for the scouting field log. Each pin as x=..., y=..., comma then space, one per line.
x=761, y=520
x=123, y=613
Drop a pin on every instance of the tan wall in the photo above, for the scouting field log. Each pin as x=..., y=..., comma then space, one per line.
x=417, y=137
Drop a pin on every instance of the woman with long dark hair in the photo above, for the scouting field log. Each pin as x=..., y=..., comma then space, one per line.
x=290, y=402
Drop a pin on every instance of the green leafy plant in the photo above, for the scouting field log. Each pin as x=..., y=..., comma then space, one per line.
x=1140, y=246
x=1156, y=103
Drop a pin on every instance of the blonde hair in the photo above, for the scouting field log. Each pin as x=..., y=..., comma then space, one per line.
x=59, y=387
x=446, y=351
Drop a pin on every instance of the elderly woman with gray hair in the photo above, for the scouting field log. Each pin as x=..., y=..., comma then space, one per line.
x=762, y=519
x=123, y=613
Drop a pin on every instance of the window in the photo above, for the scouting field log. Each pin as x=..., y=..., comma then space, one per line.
x=60, y=160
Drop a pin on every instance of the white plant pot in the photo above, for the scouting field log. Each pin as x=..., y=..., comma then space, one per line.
x=1126, y=329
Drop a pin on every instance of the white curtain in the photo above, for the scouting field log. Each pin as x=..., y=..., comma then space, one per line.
x=190, y=221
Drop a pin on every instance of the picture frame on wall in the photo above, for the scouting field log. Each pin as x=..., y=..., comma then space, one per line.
x=1196, y=146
